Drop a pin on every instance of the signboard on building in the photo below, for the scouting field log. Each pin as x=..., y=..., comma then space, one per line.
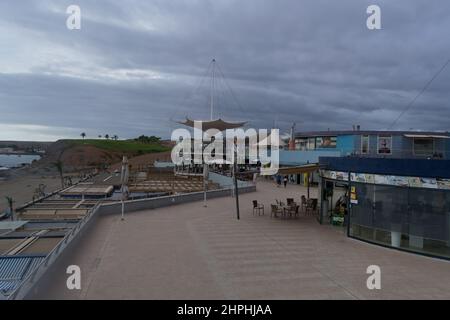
x=335, y=175
x=353, y=196
x=443, y=184
x=384, y=144
x=390, y=180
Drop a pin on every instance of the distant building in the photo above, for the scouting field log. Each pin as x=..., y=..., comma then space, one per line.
x=309, y=146
x=6, y=150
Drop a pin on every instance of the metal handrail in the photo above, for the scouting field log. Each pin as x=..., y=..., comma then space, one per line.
x=46, y=262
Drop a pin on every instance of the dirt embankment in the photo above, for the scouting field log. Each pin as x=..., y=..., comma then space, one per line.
x=144, y=160
x=78, y=157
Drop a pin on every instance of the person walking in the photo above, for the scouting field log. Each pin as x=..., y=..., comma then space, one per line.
x=278, y=181
x=285, y=181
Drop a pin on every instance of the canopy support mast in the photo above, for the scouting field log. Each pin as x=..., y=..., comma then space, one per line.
x=213, y=87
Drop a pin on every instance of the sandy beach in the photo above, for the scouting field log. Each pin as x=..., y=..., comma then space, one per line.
x=22, y=188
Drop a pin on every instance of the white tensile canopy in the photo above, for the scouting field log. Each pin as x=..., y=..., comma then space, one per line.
x=218, y=124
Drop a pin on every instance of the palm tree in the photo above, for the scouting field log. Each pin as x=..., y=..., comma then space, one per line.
x=83, y=135
x=10, y=206
x=106, y=136
x=115, y=137
x=59, y=165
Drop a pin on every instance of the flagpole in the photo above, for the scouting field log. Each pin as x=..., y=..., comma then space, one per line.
x=212, y=88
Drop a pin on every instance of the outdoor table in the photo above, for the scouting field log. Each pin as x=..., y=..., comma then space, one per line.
x=287, y=208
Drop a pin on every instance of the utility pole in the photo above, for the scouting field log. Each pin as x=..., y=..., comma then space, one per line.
x=307, y=182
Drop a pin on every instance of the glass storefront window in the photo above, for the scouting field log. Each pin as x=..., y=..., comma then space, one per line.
x=413, y=219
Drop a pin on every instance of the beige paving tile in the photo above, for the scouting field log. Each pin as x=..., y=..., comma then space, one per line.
x=191, y=252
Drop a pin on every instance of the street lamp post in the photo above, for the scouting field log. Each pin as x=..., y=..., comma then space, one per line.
x=235, y=169
x=205, y=182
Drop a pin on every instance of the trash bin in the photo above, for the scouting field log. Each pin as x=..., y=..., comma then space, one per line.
x=395, y=239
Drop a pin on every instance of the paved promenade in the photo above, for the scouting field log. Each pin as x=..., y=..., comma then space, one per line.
x=192, y=252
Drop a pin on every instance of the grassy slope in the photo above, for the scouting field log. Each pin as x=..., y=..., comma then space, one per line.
x=122, y=146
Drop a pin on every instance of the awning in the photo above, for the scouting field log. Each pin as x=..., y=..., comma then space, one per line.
x=426, y=136
x=218, y=124
x=299, y=169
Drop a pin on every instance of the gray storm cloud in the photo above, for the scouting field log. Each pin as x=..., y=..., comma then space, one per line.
x=135, y=66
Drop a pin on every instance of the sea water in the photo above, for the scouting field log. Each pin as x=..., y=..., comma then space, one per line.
x=14, y=160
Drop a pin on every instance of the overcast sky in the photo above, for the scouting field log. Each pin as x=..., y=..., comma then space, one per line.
x=136, y=67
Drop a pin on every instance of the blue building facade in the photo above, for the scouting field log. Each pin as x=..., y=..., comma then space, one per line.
x=309, y=146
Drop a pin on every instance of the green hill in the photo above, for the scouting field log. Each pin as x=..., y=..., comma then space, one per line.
x=123, y=146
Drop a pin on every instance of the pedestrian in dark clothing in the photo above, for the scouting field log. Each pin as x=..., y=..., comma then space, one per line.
x=285, y=181
x=278, y=181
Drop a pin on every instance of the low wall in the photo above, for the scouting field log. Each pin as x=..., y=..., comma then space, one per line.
x=153, y=203
x=227, y=182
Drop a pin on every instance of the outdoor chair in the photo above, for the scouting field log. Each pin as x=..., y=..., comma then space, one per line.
x=292, y=210
x=303, y=203
x=311, y=206
x=295, y=210
x=275, y=210
x=290, y=201
x=258, y=208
